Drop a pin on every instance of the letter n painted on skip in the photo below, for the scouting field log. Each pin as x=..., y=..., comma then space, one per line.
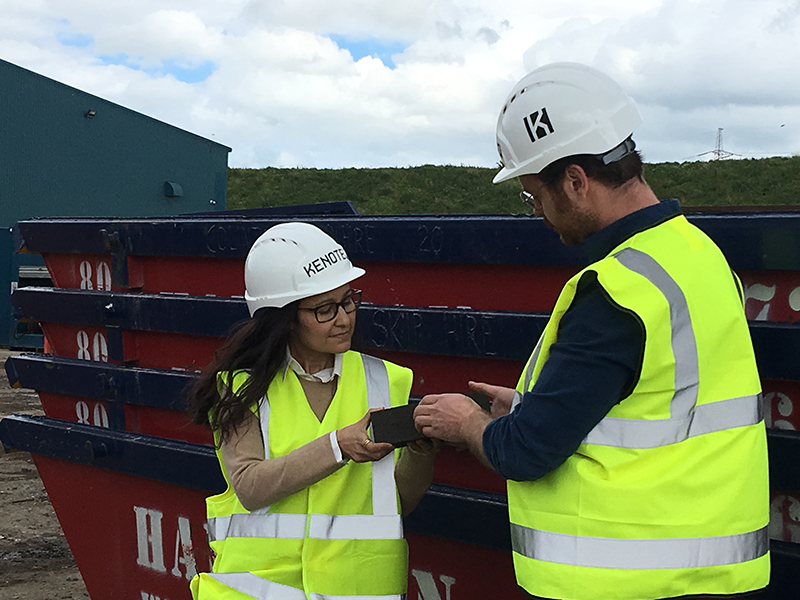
x=149, y=539
x=428, y=589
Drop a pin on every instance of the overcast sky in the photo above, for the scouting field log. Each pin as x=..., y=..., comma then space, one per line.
x=395, y=83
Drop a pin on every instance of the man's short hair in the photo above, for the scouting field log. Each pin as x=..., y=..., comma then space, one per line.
x=614, y=175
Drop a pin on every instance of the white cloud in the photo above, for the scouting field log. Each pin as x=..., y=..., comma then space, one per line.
x=163, y=33
x=367, y=18
x=283, y=93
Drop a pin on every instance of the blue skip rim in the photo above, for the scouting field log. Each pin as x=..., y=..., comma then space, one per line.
x=442, y=513
x=443, y=331
x=752, y=241
x=469, y=516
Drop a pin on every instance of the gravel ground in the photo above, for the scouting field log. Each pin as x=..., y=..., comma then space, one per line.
x=35, y=559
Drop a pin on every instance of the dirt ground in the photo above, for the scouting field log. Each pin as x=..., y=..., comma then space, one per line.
x=35, y=560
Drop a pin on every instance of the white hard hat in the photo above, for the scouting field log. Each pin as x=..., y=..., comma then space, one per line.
x=561, y=110
x=291, y=261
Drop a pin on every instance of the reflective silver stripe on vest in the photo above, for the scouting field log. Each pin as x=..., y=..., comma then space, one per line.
x=263, y=415
x=217, y=528
x=608, y=553
x=293, y=526
x=654, y=433
x=387, y=597
x=684, y=345
x=532, y=365
x=686, y=418
x=259, y=524
x=646, y=433
x=355, y=527
x=377, y=378
x=384, y=499
x=258, y=587
x=263, y=589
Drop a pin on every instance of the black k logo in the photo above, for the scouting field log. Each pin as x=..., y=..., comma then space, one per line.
x=537, y=124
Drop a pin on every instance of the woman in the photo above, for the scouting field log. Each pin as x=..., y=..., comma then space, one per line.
x=313, y=506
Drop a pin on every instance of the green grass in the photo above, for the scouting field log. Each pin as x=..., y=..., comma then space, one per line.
x=452, y=190
x=751, y=182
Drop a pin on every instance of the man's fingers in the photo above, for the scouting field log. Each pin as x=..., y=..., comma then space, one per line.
x=429, y=431
x=422, y=414
x=429, y=399
x=423, y=411
x=420, y=422
x=483, y=388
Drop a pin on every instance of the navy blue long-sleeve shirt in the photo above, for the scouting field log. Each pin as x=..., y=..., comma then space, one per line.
x=594, y=363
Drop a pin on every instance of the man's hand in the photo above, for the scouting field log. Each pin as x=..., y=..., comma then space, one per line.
x=452, y=418
x=502, y=397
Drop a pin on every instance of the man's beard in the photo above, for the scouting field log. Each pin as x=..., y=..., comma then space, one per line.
x=577, y=224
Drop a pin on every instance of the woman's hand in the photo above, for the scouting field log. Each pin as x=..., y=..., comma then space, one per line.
x=424, y=447
x=502, y=397
x=356, y=445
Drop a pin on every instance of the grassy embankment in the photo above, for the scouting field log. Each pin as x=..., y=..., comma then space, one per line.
x=451, y=190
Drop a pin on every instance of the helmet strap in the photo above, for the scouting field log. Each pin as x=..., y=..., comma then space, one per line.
x=618, y=152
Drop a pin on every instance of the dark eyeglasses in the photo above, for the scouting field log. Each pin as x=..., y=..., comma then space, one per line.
x=527, y=198
x=328, y=311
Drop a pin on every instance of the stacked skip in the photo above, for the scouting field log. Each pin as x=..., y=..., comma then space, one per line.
x=139, y=305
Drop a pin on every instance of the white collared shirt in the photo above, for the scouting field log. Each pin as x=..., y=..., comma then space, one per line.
x=323, y=376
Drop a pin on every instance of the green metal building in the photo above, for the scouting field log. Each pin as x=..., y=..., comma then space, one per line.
x=64, y=152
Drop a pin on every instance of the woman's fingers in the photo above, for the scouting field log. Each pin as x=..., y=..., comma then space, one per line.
x=424, y=446
x=355, y=443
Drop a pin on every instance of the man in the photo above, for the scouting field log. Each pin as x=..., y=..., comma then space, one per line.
x=633, y=444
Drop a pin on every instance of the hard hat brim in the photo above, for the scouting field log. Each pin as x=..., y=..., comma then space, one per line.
x=504, y=175
x=279, y=301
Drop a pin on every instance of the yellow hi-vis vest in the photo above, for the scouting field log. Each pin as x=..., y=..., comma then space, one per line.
x=342, y=537
x=668, y=494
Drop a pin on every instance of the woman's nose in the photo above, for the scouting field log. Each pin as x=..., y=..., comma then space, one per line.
x=341, y=315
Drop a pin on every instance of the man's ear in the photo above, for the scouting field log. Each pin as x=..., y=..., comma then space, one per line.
x=575, y=181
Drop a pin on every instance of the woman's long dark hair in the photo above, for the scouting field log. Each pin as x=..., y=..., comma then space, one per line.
x=259, y=345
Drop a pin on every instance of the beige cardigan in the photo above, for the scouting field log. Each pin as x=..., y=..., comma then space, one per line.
x=259, y=482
